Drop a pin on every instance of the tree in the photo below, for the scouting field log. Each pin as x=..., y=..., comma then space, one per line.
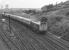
x=6, y=6
x=47, y=7
x=58, y=18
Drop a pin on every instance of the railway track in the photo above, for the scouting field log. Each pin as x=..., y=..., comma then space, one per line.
x=25, y=39
x=61, y=45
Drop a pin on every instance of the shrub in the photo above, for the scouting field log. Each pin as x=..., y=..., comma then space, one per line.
x=67, y=14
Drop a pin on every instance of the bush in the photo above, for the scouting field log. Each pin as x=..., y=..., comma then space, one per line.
x=67, y=14
x=53, y=20
x=58, y=18
x=59, y=30
x=47, y=8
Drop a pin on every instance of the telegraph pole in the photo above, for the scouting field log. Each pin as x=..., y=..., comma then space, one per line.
x=7, y=8
x=9, y=24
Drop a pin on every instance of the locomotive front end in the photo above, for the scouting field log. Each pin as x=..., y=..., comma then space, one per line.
x=43, y=24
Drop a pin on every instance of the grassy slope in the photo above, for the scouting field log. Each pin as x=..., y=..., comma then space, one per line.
x=60, y=28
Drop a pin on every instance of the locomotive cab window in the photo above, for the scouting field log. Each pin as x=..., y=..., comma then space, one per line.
x=43, y=20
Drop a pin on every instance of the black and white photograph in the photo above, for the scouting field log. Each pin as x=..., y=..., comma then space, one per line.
x=34, y=24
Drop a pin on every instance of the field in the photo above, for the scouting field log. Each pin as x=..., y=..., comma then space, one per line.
x=59, y=23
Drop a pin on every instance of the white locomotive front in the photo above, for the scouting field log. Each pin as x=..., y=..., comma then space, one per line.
x=43, y=24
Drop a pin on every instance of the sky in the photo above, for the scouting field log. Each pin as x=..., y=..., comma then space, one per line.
x=28, y=3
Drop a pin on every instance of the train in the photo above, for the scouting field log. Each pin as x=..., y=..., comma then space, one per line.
x=39, y=26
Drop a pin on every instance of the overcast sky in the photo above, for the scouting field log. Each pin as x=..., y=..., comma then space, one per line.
x=28, y=3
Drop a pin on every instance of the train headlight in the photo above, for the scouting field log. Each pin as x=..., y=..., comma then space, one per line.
x=3, y=20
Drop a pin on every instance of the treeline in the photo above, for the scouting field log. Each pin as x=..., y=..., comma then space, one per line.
x=32, y=12
x=51, y=7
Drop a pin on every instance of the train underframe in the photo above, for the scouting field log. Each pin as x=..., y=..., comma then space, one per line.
x=36, y=28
